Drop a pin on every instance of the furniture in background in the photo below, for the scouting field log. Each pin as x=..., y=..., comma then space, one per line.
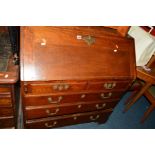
x=8, y=78
x=122, y=30
x=72, y=75
x=148, y=81
x=144, y=44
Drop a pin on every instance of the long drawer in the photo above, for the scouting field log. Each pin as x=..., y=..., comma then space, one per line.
x=5, y=89
x=52, y=122
x=69, y=86
x=5, y=100
x=47, y=111
x=55, y=99
x=7, y=122
x=6, y=112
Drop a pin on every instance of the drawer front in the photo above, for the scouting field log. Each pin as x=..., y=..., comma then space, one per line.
x=59, y=87
x=70, y=98
x=52, y=122
x=108, y=85
x=5, y=100
x=7, y=122
x=5, y=89
x=55, y=87
x=47, y=111
x=4, y=112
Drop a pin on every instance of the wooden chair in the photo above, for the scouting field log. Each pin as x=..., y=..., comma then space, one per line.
x=148, y=78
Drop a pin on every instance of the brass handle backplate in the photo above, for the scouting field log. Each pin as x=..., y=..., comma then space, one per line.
x=50, y=100
x=61, y=87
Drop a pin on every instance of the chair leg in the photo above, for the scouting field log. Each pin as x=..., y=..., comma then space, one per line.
x=133, y=93
x=147, y=113
x=137, y=96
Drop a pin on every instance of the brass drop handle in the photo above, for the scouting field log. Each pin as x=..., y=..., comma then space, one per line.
x=100, y=107
x=50, y=113
x=52, y=125
x=92, y=118
x=50, y=100
x=88, y=39
x=103, y=96
x=109, y=85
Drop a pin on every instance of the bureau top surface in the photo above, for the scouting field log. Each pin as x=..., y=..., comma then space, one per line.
x=65, y=53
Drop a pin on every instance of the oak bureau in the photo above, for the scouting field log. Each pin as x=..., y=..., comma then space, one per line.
x=72, y=75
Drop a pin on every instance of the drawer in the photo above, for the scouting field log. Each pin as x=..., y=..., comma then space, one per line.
x=52, y=122
x=56, y=99
x=47, y=111
x=6, y=122
x=108, y=85
x=5, y=100
x=55, y=87
x=5, y=89
x=59, y=87
x=6, y=112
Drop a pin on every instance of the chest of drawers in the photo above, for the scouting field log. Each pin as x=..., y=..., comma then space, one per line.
x=8, y=103
x=72, y=75
x=8, y=78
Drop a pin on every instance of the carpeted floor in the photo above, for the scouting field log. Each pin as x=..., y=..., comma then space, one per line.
x=120, y=120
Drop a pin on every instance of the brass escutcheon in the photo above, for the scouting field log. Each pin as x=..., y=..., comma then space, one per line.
x=89, y=39
x=83, y=95
x=79, y=106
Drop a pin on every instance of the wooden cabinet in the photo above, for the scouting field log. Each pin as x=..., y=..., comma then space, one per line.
x=8, y=103
x=72, y=75
x=8, y=77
